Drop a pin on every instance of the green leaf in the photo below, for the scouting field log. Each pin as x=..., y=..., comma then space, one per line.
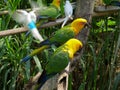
x=38, y=63
x=116, y=82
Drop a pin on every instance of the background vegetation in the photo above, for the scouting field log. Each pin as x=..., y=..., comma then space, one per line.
x=99, y=67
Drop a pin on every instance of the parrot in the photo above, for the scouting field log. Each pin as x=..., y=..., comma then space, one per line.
x=51, y=12
x=29, y=20
x=60, y=36
x=63, y=34
x=68, y=9
x=59, y=60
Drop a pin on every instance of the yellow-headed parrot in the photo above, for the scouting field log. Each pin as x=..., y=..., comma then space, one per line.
x=60, y=59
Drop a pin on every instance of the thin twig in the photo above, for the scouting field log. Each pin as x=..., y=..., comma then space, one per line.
x=6, y=12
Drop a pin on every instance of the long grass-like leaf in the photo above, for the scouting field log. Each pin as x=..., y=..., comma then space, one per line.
x=116, y=82
x=38, y=63
x=5, y=66
x=5, y=79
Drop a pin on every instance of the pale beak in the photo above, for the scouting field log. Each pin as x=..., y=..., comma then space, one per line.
x=88, y=25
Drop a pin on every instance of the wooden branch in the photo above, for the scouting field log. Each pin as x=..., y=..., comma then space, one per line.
x=6, y=12
x=24, y=29
x=13, y=31
x=32, y=82
x=100, y=9
x=3, y=12
x=96, y=14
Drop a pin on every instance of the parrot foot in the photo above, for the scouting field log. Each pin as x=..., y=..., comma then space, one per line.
x=66, y=71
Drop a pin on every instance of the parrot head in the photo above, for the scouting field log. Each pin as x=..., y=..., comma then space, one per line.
x=56, y=3
x=22, y=17
x=78, y=24
x=73, y=46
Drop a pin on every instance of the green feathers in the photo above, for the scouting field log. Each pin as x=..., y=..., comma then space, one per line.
x=62, y=35
x=60, y=59
x=58, y=62
x=50, y=12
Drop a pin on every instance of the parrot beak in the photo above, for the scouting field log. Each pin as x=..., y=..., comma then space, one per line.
x=88, y=25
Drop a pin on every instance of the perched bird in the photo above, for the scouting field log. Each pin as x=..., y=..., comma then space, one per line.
x=60, y=36
x=68, y=9
x=51, y=11
x=60, y=59
x=28, y=20
x=69, y=31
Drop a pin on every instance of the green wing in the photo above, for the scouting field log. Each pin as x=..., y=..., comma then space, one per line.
x=51, y=12
x=62, y=35
x=57, y=62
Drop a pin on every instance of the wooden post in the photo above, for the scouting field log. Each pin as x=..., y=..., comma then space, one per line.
x=84, y=9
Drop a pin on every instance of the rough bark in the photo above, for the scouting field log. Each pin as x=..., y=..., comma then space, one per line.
x=84, y=9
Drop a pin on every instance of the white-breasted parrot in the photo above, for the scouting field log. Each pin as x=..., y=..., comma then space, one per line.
x=68, y=10
x=28, y=20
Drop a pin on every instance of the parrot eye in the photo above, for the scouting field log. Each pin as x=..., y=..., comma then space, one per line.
x=59, y=1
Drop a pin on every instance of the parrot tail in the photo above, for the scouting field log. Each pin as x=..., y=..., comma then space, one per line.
x=37, y=35
x=42, y=17
x=115, y=3
x=43, y=78
x=34, y=52
x=26, y=59
x=65, y=20
x=45, y=42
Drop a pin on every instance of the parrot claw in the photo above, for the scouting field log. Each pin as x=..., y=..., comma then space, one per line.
x=66, y=71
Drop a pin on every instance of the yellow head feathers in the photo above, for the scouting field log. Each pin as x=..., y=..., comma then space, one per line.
x=56, y=3
x=73, y=45
x=78, y=24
